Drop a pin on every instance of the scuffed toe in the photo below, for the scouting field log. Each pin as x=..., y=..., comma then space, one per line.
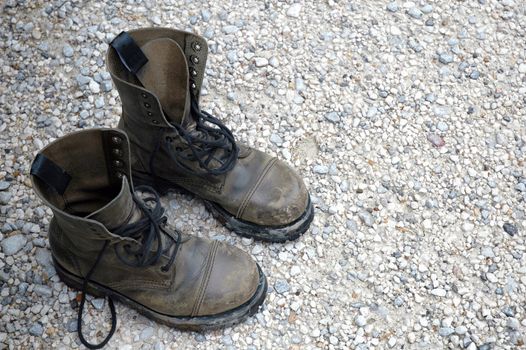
x=279, y=198
x=233, y=280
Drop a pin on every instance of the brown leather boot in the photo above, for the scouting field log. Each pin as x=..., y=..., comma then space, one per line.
x=107, y=240
x=158, y=73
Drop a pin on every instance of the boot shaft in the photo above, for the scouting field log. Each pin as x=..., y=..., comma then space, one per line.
x=83, y=178
x=163, y=97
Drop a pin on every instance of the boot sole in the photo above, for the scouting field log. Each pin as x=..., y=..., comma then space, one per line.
x=196, y=323
x=276, y=234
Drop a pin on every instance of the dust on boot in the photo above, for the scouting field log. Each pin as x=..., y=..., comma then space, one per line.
x=109, y=241
x=158, y=73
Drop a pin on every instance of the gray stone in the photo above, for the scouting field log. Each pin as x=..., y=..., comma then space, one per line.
x=509, y=311
x=206, y=15
x=510, y=229
x=300, y=84
x=474, y=75
x=392, y=7
x=461, y=330
x=445, y=58
x=320, y=169
x=36, y=329
x=415, y=13
x=442, y=126
x=273, y=61
x=431, y=97
x=230, y=29
x=371, y=112
x=513, y=323
x=360, y=320
x=261, y=62
x=12, y=245
x=146, y=333
x=43, y=258
x=227, y=340
x=43, y=291
x=208, y=33
x=98, y=303
x=82, y=80
x=106, y=86
x=94, y=86
x=487, y=252
x=427, y=8
x=276, y=139
x=4, y=185
x=446, y=331
x=71, y=326
x=281, y=286
x=5, y=197
x=200, y=338
x=352, y=225
x=231, y=56
x=99, y=102
x=333, y=117
x=67, y=51
x=366, y=218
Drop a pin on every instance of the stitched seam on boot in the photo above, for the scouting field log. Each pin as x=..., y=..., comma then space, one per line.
x=250, y=193
x=206, y=278
x=150, y=284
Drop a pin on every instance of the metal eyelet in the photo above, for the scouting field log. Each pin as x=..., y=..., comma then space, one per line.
x=117, y=152
x=193, y=86
x=147, y=105
x=119, y=175
x=117, y=163
x=149, y=114
x=155, y=121
x=116, y=140
x=144, y=95
x=193, y=72
x=194, y=59
x=196, y=46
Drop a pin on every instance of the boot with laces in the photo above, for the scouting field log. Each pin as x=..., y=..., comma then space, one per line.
x=107, y=240
x=175, y=145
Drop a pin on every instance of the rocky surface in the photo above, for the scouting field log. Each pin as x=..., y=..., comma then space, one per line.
x=407, y=120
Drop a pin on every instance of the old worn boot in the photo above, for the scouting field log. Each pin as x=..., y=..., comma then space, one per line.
x=107, y=240
x=158, y=73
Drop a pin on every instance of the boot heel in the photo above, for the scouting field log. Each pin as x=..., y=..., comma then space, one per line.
x=76, y=282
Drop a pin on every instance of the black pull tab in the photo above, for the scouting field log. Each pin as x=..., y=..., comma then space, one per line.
x=129, y=52
x=49, y=172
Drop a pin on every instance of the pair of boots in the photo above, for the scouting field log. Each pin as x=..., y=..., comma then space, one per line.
x=109, y=235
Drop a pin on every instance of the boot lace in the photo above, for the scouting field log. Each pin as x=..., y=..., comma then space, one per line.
x=149, y=231
x=210, y=141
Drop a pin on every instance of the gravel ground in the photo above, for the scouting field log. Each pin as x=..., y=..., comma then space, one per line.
x=407, y=120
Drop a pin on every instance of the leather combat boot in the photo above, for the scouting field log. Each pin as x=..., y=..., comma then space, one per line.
x=107, y=240
x=158, y=73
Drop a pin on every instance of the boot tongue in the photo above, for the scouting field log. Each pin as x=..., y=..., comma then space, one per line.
x=166, y=75
x=120, y=211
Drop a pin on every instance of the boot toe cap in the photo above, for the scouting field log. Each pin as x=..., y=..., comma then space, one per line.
x=234, y=279
x=279, y=198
